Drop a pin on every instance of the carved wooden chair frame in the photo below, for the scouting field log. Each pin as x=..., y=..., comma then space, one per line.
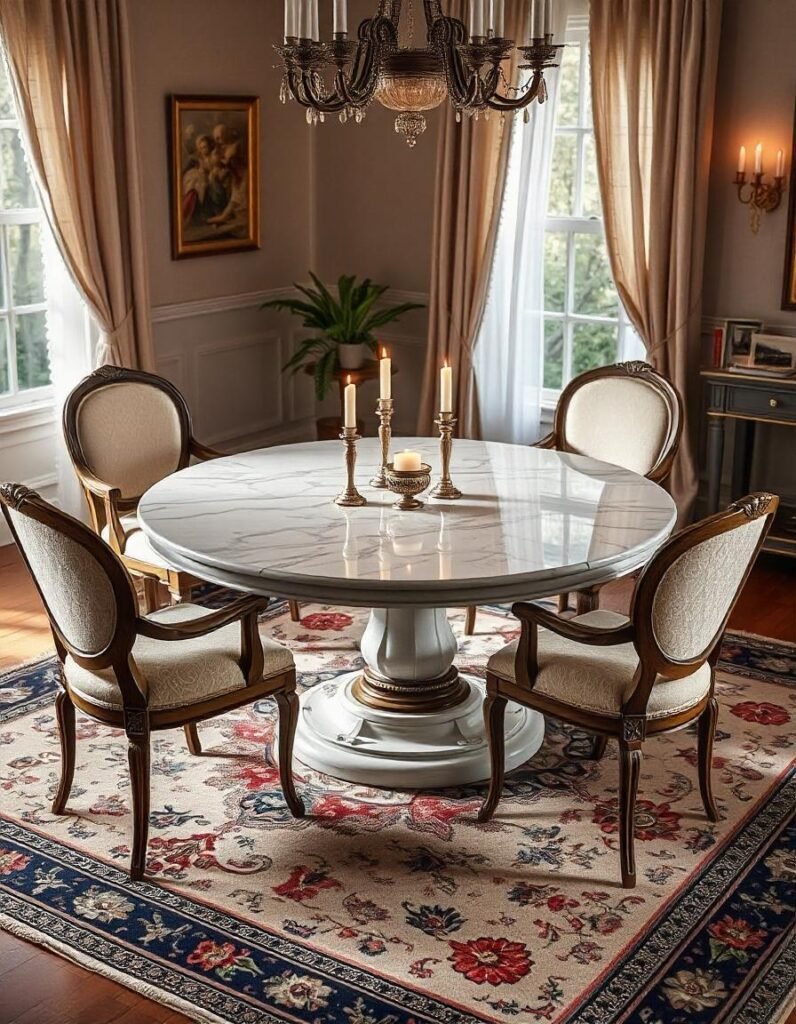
x=633, y=725
x=587, y=600
x=106, y=504
x=135, y=716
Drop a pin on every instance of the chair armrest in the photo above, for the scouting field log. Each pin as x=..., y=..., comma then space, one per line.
x=202, y=451
x=238, y=610
x=97, y=486
x=110, y=496
x=549, y=441
x=570, y=630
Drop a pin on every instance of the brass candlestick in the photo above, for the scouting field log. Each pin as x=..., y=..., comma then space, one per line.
x=445, y=488
x=384, y=412
x=350, y=496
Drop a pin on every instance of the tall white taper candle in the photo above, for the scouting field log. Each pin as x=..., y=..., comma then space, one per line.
x=759, y=158
x=350, y=401
x=291, y=18
x=446, y=389
x=314, y=20
x=385, y=375
x=340, y=16
x=477, y=27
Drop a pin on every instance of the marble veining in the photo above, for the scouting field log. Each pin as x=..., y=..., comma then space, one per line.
x=528, y=517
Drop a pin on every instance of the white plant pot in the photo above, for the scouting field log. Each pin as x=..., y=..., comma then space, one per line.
x=352, y=357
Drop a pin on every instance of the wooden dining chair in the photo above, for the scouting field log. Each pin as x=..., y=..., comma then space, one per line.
x=125, y=430
x=631, y=678
x=173, y=668
x=627, y=414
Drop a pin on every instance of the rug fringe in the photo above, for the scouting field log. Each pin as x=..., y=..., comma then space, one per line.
x=159, y=996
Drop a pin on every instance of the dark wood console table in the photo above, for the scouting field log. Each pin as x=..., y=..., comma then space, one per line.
x=748, y=399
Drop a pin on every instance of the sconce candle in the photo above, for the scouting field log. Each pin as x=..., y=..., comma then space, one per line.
x=780, y=172
x=759, y=158
x=742, y=159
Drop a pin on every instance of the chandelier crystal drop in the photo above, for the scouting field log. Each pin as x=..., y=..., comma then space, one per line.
x=461, y=62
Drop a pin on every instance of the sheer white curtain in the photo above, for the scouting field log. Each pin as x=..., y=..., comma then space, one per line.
x=510, y=348
x=71, y=341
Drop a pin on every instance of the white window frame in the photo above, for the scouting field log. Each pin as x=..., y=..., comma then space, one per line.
x=627, y=340
x=15, y=399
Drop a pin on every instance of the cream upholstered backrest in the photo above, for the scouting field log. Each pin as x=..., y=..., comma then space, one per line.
x=131, y=434
x=698, y=589
x=75, y=586
x=623, y=419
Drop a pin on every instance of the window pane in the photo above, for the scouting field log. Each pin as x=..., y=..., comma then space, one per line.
x=569, y=86
x=33, y=366
x=590, y=196
x=4, y=382
x=6, y=103
x=562, y=176
x=595, y=293
x=592, y=345
x=555, y=271
x=17, y=188
x=553, y=354
x=27, y=270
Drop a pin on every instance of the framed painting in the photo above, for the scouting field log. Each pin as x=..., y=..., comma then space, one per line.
x=215, y=146
x=789, y=283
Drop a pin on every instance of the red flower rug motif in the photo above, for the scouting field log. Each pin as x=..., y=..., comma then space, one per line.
x=383, y=907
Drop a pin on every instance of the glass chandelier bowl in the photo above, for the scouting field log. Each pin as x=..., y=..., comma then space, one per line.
x=411, y=81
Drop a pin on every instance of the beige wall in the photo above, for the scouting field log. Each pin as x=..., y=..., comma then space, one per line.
x=755, y=98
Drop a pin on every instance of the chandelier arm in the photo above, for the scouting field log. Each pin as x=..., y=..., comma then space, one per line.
x=444, y=36
x=509, y=104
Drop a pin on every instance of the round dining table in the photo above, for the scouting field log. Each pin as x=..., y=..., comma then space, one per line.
x=531, y=523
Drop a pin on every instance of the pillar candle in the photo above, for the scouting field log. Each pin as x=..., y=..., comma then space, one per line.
x=446, y=389
x=742, y=159
x=406, y=462
x=759, y=158
x=350, y=412
x=780, y=164
x=385, y=375
x=340, y=16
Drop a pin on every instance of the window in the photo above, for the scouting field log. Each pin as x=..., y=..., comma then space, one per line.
x=24, y=364
x=585, y=325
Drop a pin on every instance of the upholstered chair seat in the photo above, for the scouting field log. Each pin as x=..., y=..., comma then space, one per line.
x=136, y=543
x=179, y=674
x=169, y=669
x=599, y=679
x=631, y=678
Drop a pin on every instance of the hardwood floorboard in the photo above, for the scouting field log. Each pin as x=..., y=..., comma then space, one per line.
x=38, y=987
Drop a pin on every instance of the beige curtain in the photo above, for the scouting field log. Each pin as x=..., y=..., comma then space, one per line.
x=471, y=171
x=653, y=88
x=71, y=70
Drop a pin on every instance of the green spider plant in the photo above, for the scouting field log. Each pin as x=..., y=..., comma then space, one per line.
x=348, y=319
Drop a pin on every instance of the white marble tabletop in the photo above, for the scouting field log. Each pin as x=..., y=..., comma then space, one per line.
x=531, y=523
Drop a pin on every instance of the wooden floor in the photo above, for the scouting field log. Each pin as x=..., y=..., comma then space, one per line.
x=37, y=987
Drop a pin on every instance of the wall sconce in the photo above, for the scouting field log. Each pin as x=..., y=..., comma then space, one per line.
x=760, y=196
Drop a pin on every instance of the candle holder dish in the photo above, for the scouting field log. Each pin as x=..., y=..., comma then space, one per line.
x=384, y=412
x=350, y=496
x=445, y=488
x=408, y=483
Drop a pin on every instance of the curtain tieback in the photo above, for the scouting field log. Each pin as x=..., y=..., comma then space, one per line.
x=658, y=345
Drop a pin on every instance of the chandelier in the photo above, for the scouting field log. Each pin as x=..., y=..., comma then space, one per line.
x=461, y=62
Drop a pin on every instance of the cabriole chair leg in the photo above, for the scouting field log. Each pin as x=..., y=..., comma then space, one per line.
x=138, y=758
x=295, y=611
x=192, y=739
x=706, y=731
x=65, y=715
x=629, y=770
x=469, y=620
x=288, y=704
x=494, y=715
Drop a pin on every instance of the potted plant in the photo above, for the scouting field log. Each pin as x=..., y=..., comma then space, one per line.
x=343, y=327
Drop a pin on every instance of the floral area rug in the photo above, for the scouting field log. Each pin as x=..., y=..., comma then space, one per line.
x=387, y=907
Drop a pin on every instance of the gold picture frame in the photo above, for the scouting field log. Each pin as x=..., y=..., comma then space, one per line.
x=215, y=174
x=789, y=282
